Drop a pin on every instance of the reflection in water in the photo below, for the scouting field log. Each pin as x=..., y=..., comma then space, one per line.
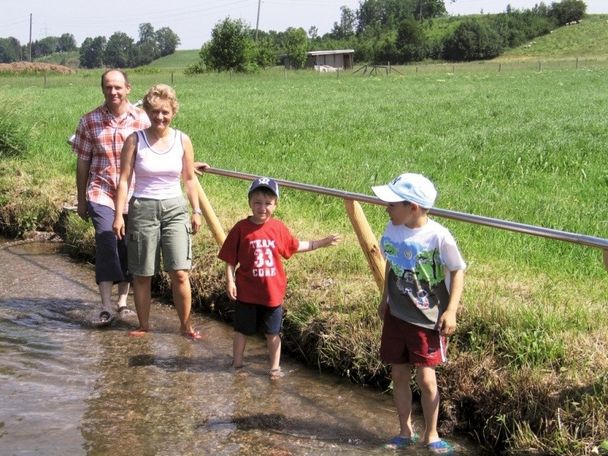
x=70, y=389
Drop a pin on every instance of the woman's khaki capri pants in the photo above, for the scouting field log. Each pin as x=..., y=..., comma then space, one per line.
x=156, y=226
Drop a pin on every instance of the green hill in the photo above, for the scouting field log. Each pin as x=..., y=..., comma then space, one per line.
x=178, y=60
x=588, y=39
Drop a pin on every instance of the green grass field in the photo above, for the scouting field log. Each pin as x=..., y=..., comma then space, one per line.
x=528, y=362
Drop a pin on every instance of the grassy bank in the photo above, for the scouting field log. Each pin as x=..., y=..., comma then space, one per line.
x=528, y=364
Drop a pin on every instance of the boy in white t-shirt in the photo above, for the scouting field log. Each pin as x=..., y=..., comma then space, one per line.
x=423, y=285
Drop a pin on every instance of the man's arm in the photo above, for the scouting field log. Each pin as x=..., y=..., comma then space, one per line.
x=82, y=179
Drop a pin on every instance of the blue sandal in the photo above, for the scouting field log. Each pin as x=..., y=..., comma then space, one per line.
x=398, y=442
x=440, y=447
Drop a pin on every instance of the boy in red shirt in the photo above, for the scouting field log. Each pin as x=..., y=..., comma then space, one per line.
x=256, y=245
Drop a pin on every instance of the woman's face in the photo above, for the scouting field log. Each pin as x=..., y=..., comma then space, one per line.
x=160, y=114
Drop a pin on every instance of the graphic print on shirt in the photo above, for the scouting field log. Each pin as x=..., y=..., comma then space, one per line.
x=263, y=265
x=418, y=271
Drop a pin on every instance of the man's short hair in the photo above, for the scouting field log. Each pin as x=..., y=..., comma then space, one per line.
x=124, y=75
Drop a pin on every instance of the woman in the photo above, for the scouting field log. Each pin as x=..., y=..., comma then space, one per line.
x=158, y=217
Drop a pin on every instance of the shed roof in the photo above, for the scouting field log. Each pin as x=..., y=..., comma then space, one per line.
x=330, y=52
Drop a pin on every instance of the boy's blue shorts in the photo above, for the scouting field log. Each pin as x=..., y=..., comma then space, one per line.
x=249, y=318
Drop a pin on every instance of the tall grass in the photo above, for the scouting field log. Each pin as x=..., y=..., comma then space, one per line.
x=526, y=146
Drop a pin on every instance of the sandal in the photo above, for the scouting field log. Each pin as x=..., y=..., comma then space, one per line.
x=398, y=442
x=105, y=319
x=440, y=447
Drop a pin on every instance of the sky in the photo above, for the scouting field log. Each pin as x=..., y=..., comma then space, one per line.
x=193, y=20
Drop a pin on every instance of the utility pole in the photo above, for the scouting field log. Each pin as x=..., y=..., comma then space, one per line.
x=30, y=37
x=257, y=22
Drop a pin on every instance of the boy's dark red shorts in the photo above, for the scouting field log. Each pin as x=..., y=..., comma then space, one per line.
x=405, y=343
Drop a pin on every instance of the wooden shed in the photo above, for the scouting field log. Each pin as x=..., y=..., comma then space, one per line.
x=341, y=59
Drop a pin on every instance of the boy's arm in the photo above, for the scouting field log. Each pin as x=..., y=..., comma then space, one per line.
x=308, y=246
x=447, y=322
x=384, y=300
x=230, y=283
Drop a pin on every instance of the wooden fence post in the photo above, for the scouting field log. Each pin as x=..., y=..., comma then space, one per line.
x=212, y=221
x=367, y=240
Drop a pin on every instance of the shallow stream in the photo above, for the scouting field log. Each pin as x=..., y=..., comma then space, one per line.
x=69, y=389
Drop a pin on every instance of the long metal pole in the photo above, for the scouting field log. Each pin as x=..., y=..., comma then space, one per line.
x=549, y=233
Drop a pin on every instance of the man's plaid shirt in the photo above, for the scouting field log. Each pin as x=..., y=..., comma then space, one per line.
x=98, y=140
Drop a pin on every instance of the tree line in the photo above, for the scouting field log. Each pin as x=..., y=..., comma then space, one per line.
x=381, y=31
x=11, y=50
x=119, y=51
x=122, y=51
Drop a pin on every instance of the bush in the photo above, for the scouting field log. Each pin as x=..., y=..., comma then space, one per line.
x=196, y=68
x=410, y=43
x=472, y=40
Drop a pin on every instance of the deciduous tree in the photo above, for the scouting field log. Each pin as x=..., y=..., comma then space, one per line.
x=119, y=50
x=230, y=47
x=296, y=46
x=91, y=52
x=167, y=41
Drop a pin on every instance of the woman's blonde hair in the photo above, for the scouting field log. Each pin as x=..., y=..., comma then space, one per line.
x=161, y=92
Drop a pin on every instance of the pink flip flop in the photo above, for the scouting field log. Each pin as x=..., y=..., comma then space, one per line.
x=138, y=332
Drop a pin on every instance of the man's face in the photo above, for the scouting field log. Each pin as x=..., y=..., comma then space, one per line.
x=115, y=90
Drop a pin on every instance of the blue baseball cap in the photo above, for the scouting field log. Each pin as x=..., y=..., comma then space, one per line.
x=264, y=182
x=411, y=187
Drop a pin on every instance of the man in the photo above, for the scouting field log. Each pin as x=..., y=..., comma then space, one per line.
x=98, y=142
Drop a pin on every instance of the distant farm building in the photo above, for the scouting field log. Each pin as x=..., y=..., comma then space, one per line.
x=342, y=59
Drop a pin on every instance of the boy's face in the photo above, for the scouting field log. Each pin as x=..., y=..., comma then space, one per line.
x=262, y=206
x=401, y=213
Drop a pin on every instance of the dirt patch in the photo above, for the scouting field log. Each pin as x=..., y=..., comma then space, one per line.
x=34, y=67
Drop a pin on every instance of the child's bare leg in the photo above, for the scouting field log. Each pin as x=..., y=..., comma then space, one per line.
x=273, y=342
x=427, y=382
x=238, y=349
x=402, y=396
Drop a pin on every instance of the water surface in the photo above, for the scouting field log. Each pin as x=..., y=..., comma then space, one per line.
x=69, y=389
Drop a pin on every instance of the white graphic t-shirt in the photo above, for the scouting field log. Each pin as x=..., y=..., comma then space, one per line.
x=420, y=261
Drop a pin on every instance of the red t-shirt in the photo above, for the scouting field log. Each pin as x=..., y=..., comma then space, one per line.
x=257, y=250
